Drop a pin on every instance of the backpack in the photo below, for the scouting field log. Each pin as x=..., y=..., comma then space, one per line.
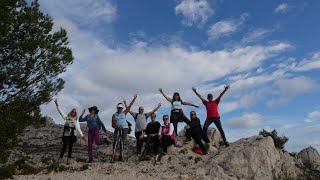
x=130, y=129
x=136, y=116
x=198, y=151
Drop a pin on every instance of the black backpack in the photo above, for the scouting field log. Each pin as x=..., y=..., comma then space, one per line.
x=129, y=129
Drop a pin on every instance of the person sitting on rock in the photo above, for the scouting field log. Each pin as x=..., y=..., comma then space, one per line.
x=166, y=135
x=70, y=130
x=152, y=132
x=212, y=112
x=94, y=123
x=141, y=124
x=195, y=131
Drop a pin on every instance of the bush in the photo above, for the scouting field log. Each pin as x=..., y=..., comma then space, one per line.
x=7, y=172
x=278, y=141
x=25, y=168
x=84, y=167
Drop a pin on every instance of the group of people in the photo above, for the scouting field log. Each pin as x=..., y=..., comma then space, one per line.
x=157, y=137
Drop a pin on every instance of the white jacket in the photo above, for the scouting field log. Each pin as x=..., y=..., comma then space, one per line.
x=67, y=122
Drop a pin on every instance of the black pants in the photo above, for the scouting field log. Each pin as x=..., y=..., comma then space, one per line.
x=198, y=136
x=217, y=122
x=176, y=117
x=67, y=141
x=165, y=142
x=139, y=141
x=151, y=143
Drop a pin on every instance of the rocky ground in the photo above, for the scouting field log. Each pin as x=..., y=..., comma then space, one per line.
x=248, y=158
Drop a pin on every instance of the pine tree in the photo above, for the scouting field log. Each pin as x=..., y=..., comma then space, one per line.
x=31, y=58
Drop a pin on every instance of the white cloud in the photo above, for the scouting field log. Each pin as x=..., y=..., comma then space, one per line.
x=281, y=8
x=294, y=86
x=313, y=116
x=246, y=121
x=104, y=76
x=255, y=35
x=225, y=27
x=308, y=64
x=194, y=11
x=84, y=12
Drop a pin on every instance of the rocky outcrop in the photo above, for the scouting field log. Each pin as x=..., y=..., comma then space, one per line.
x=248, y=158
x=310, y=157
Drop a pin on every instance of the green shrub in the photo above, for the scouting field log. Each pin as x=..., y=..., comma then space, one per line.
x=278, y=141
x=25, y=168
x=55, y=167
x=7, y=172
x=84, y=167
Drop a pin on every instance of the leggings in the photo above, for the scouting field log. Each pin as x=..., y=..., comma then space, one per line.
x=67, y=141
x=176, y=117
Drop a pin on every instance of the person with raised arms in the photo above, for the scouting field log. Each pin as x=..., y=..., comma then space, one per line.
x=177, y=114
x=141, y=123
x=212, y=112
x=120, y=125
x=71, y=130
x=94, y=124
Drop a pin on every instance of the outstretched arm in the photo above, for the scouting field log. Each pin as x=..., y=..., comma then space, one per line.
x=168, y=99
x=226, y=87
x=126, y=106
x=130, y=105
x=81, y=119
x=63, y=115
x=155, y=109
x=195, y=91
x=189, y=104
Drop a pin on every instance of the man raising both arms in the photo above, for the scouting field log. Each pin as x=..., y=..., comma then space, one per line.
x=212, y=112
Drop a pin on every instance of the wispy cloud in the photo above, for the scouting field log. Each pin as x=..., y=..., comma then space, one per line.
x=246, y=121
x=225, y=27
x=83, y=12
x=255, y=35
x=308, y=64
x=281, y=8
x=194, y=11
x=313, y=116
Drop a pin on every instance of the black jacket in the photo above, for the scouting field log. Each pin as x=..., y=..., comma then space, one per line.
x=195, y=126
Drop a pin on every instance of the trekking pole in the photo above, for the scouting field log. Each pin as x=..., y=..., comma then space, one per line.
x=115, y=146
x=121, y=143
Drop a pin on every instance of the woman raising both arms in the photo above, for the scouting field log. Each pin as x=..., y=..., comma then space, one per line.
x=177, y=114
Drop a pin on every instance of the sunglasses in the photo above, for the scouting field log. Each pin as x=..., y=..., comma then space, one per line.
x=193, y=114
x=165, y=118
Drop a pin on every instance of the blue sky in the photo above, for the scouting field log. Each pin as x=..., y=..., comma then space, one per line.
x=268, y=51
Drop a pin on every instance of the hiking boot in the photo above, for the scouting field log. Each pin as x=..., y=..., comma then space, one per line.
x=226, y=143
x=90, y=161
x=207, y=146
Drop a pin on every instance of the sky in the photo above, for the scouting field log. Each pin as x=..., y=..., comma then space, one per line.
x=267, y=51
